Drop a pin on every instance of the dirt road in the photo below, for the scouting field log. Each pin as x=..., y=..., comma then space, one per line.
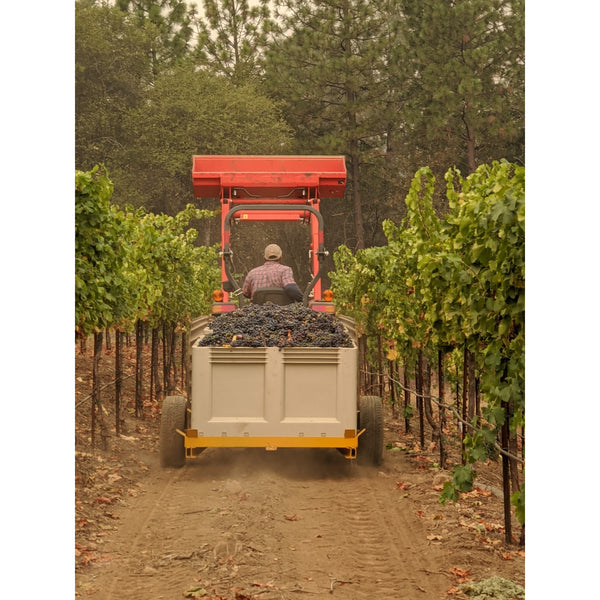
x=250, y=524
x=247, y=524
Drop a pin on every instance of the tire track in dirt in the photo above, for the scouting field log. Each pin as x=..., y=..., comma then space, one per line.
x=271, y=524
x=136, y=563
x=378, y=552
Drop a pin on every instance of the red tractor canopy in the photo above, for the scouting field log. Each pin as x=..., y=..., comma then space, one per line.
x=270, y=188
x=255, y=178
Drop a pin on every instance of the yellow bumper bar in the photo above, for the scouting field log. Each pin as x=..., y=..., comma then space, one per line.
x=347, y=444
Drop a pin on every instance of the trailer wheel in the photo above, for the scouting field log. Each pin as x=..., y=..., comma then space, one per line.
x=370, y=418
x=172, y=450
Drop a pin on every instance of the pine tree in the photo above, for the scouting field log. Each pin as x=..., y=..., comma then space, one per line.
x=327, y=63
x=232, y=37
x=112, y=74
x=171, y=22
x=467, y=91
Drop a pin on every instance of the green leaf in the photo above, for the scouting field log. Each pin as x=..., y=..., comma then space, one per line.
x=448, y=493
x=517, y=499
x=462, y=478
x=494, y=415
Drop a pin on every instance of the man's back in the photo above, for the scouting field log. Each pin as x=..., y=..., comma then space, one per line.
x=270, y=274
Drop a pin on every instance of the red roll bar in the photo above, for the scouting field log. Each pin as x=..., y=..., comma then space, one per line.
x=270, y=188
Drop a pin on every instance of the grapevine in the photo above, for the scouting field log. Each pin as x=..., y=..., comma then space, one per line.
x=453, y=287
x=134, y=269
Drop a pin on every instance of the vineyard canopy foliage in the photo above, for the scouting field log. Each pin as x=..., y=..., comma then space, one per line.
x=452, y=283
x=132, y=265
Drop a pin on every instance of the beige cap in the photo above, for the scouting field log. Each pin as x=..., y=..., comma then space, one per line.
x=272, y=252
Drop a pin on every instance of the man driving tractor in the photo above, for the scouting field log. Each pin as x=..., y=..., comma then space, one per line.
x=272, y=274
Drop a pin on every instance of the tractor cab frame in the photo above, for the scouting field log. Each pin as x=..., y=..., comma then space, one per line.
x=270, y=189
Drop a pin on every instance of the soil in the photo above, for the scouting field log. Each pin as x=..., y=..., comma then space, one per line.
x=249, y=524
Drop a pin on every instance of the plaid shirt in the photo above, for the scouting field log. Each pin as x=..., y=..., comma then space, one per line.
x=271, y=274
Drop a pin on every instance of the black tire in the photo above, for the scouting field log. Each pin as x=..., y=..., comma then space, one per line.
x=370, y=418
x=173, y=417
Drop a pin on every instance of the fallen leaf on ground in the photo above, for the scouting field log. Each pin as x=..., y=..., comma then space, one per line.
x=476, y=492
x=423, y=459
x=492, y=526
x=461, y=575
x=263, y=585
x=103, y=500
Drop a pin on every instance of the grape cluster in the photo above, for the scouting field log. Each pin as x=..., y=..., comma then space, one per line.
x=260, y=325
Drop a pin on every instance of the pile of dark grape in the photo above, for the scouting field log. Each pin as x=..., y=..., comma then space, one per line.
x=256, y=325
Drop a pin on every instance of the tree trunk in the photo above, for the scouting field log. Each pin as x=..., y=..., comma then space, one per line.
x=392, y=376
x=95, y=386
x=419, y=386
x=522, y=537
x=362, y=359
x=97, y=413
x=426, y=374
x=356, y=203
x=139, y=369
x=442, y=410
x=82, y=344
x=465, y=402
x=506, y=478
x=472, y=390
x=470, y=142
x=118, y=375
x=156, y=388
x=168, y=367
x=513, y=448
x=457, y=395
x=406, y=397
x=172, y=359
